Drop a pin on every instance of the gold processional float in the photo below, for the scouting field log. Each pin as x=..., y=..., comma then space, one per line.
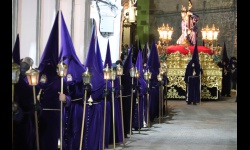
x=176, y=58
x=211, y=79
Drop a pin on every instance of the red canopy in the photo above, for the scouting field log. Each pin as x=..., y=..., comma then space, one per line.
x=181, y=49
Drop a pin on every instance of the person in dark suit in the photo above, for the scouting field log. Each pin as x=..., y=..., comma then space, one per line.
x=226, y=79
x=226, y=73
x=23, y=110
x=233, y=62
x=233, y=67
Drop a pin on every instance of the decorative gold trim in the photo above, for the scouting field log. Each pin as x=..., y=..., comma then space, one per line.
x=173, y=93
x=177, y=63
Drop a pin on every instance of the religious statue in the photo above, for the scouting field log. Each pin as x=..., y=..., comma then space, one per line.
x=188, y=26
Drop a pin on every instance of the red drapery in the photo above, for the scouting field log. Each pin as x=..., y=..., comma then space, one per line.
x=182, y=50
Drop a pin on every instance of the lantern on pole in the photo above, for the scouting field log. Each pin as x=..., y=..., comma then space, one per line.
x=15, y=79
x=159, y=78
x=119, y=72
x=132, y=75
x=147, y=77
x=62, y=69
x=107, y=76
x=33, y=78
x=137, y=75
x=113, y=77
x=86, y=78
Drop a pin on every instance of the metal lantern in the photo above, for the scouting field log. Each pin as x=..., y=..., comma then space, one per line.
x=159, y=77
x=119, y=70
x=32, y=76
x=15, y=72
x=209, y=35
x=147, y=75
x=62, y=69
x=162, y=70
x=86, y=77
x=107, y=76
x=150, y=74
x=137, y=73
x=132, y=75
x=165, y=33
x=107, y=73
x=113, y=74
x=132, y=72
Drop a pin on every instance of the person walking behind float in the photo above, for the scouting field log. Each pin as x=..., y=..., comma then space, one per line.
x=226, y=79
x=233, y=66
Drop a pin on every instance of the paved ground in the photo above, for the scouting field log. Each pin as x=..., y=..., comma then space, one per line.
x=210, y=125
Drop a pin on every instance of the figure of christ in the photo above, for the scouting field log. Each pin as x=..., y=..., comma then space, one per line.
x=184, y=28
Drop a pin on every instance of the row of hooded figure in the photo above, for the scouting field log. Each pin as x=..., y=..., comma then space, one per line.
x=64, y=122
x=49, y=98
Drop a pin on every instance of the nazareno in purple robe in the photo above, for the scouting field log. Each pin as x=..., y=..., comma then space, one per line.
x=141, y=94
x=117, y=112
x=92, y=137
x=49, y=122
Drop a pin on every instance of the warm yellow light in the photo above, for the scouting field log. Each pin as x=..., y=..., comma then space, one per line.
x=159, y=77
x=119, y=70
x=147, y=75
x=165, y=33
x=210, y=34
x=32, y=76
x=107, y=73
x=62, y=69
x=137, y=73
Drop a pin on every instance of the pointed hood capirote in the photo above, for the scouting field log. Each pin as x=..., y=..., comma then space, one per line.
x=145, y=55
x=139, y=66
x=108, y=57
x=153, y=63
x=194, y=63
x=98, y=56
x=49, y=60
x=126, y=79
x=68, y=55
x=195, y=56
x=97, y=81
x=224, y=55
x=108, y=62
